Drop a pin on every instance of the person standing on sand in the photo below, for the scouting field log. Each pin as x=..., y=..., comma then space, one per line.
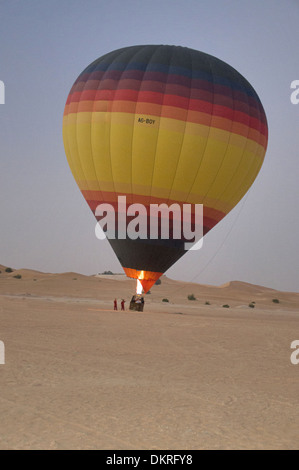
x=122, y=304
x=115, y=304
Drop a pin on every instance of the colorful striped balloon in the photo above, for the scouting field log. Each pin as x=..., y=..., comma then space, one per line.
x=165, y=124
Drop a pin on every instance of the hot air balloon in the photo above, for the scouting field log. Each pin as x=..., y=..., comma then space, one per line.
x=162, y=124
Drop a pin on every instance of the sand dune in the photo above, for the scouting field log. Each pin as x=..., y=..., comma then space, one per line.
x=183, y=374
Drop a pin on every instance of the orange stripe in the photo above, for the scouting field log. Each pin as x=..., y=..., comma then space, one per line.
x=146, y=278
x=172, y=112
x=142, y=275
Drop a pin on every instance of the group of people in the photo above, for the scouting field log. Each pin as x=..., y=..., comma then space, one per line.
x=122, y=304
x=137, y=303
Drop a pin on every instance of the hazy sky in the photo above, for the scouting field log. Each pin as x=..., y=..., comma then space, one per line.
x=45, y=222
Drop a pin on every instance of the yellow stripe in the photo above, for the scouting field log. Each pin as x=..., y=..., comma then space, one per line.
x=112, y=151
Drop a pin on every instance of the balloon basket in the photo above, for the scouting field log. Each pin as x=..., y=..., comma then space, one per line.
x=137, y=303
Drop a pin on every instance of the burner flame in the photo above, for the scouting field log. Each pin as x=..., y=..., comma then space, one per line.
x=139, y=287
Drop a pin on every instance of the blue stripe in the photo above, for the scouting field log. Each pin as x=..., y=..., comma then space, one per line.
x=238, y=85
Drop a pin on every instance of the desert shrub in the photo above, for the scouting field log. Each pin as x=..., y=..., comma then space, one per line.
x=251, y=305
x=18, y=276
x=191, y=297
x=148, y=292
x=276, y=301
x=74, y=279
x=8, y=270
x=108, y=272
x=34, y=279
x=225, y=306
x=158, y=282
x=165, y=300
x=207, y=303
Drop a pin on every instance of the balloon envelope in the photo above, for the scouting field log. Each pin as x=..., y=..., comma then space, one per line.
x=163, y=124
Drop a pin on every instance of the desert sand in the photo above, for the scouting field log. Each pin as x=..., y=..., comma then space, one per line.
x=180, y=375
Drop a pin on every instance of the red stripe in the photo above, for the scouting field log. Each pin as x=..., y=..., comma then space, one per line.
x=174, y=85
x=210, y=216
x=171, y=100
